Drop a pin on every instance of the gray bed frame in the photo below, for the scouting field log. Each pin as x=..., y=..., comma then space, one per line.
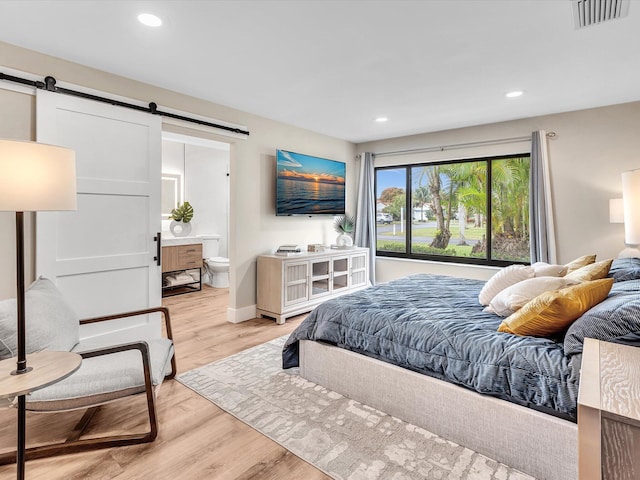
x=540, y=445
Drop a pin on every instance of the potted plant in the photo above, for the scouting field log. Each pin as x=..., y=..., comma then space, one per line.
x=181, y=220
x=344, y=225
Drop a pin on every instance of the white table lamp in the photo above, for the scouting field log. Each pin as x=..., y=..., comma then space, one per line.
x=616, y=210
x=631, y=202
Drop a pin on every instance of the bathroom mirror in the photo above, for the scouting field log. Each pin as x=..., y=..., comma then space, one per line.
x=171, y=194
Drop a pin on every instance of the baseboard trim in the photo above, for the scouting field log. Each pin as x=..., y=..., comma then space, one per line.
x=239, y=315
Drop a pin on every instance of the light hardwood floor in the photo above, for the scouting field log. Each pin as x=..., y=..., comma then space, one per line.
x=196, y=439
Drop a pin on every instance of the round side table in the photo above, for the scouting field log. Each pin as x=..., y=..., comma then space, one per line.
x=45, y=368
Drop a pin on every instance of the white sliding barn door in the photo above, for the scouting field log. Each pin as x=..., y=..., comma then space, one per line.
x=101, y=256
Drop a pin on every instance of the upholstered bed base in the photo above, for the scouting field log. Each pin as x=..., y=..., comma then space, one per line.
x=541, y=445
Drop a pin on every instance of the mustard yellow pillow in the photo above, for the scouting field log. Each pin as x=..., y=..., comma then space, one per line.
x=553, y=312
x=593, y=271
x=580, y=262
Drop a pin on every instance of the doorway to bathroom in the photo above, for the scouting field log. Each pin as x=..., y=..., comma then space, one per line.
x=196, y=170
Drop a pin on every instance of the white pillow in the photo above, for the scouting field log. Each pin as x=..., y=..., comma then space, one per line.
x=504, y=278
x=516, y=296
x=543, y=269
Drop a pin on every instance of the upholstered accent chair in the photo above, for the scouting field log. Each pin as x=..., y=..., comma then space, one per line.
x=107, y=372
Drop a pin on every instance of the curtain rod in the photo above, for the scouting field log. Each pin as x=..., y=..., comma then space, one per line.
x=49, y=84
x=442, y=148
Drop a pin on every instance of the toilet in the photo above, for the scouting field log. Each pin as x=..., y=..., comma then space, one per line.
x=216, y=268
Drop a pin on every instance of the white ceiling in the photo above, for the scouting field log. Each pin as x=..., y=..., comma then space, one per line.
x=334, y=66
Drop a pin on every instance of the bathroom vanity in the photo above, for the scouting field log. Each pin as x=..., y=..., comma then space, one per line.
x=181, y=265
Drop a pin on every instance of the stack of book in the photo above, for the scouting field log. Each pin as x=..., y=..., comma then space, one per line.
x=288, y=250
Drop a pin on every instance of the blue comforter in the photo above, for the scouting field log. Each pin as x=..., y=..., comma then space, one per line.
x=434, y=325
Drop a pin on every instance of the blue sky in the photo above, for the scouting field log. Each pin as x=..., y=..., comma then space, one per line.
x=390, y=178
x=308, y=166
x=396, y=178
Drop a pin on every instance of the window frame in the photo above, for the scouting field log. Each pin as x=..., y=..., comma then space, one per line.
x=407, y=254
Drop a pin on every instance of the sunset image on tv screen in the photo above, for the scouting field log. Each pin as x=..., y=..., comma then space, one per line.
x=309, y=185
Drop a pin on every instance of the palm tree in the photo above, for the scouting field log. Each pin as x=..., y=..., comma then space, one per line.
x=465, y=185
x=472, y=190
x=420, y=199
x=519, y=196
x=510, y=195
x=443, y=234
x=470, y=181
x=510, y=211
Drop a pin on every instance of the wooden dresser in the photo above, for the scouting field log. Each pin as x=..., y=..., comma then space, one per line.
x=292, y=285
x=609, y=412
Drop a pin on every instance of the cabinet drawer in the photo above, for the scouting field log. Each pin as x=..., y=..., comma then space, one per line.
x=181, y=257
x=190, y=256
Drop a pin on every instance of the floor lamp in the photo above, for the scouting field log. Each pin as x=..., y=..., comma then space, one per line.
x=33, y=177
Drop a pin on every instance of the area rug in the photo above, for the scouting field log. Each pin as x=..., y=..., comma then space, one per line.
x=345, y=439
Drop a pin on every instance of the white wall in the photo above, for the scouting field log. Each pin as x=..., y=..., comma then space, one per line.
x=207, y=189
x=204, y=171
x=253, y=228
x=590, y=151
x=173, y=159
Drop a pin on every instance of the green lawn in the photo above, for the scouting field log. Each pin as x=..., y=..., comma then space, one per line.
x=452, y=250
x=470, y=233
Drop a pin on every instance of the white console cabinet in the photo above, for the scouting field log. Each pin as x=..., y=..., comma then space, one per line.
x=292, y=285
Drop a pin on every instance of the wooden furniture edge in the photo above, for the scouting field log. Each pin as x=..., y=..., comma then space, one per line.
x=589, y=413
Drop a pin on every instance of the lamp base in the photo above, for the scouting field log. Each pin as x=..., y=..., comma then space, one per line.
x=630, y=252
x=20, y=372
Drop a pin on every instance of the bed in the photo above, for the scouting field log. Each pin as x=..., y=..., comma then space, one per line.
x=421, y=348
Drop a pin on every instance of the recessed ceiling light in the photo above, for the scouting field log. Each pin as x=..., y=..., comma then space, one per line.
x=149, y=20
x=381, y=119
x=514, y=94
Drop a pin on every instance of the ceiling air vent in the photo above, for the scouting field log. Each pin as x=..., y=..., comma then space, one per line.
x=593, y=12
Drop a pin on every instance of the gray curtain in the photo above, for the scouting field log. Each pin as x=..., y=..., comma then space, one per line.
x=541, y=229
x=366, y=212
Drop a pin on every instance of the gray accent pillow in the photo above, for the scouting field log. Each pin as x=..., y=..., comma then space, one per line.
x=51, y=323
x=613, y=319
x=623, y=269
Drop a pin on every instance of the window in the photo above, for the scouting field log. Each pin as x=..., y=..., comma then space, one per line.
x=467, y=211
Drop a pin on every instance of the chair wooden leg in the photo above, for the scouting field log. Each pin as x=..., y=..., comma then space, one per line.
x=74, y=444
x=81, y=426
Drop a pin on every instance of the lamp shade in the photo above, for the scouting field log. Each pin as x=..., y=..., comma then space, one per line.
x=616, y=210
x=631, y=199
x=36, y=177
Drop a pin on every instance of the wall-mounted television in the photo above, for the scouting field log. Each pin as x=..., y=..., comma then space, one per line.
x=307, y=185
